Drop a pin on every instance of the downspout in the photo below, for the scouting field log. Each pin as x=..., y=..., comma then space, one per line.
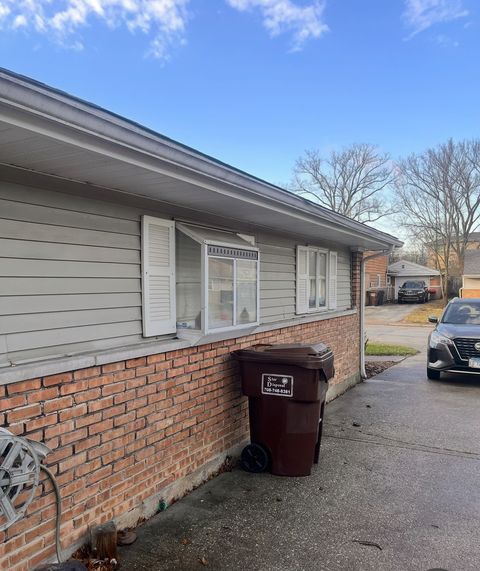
x=363, y=373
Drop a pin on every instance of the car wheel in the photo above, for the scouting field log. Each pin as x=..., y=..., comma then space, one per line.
x=432, y=374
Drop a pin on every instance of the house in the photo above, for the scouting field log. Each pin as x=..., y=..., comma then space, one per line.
x=402, y=271
x=436, y=256
x=377, y=280
x=471, y=276
x=131, y=267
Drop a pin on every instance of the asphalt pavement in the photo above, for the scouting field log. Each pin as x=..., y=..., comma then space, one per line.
x=397, y=489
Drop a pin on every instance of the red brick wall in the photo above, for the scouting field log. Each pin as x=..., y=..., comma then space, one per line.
x=122, y=432
x=374, y=267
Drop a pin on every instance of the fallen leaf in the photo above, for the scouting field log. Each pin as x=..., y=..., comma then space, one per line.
x=185, y=541
x=203, y=561
x=367, y=543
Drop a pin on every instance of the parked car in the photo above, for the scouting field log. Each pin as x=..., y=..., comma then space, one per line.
x=413, y=291
x=454, y=344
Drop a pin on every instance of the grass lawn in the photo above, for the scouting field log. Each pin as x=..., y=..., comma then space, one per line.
x=422, y=312
x=380, y=349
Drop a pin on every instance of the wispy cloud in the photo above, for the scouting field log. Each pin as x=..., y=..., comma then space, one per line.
x=164, y=21
x=284, y=16
x=420, y=15
x=446, y=41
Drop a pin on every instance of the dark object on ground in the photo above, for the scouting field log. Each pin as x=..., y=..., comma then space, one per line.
x=91, y=561
x=286, y=387
x=72, y=565
x=104, y=541
x=356, y=424
x=126, y=537
x=454, y=344
x=413, y=291
x=373, y=368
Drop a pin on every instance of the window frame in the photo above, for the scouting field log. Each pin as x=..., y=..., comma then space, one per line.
x=318, y=278
x=318, y=251
x=205, y=275
x=302, y=283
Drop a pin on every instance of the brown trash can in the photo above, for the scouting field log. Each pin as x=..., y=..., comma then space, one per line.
x=286, y=387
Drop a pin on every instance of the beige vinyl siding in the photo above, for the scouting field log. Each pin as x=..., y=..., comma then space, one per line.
x=69, y=274
x=278, y=274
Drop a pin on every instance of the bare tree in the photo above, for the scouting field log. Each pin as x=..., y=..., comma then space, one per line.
x=352, y=181
x=415, y=252
x=438, y=194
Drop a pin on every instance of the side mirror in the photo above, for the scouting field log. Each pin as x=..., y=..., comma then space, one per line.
x=433, y=319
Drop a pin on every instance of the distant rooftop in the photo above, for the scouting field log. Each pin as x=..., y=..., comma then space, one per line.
x=472, y=261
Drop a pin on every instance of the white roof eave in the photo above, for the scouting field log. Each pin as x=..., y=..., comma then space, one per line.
x=53, y=114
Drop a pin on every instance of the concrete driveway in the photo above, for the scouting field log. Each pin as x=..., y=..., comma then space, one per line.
x=399, y=492
x=391, y=313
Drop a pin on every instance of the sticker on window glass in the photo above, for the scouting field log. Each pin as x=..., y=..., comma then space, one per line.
x=277, y=385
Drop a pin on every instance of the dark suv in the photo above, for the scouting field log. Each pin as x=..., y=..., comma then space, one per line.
x=413, y=291
x=454, y=344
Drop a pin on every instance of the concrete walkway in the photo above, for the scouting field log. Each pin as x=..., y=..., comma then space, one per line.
x=399, y=492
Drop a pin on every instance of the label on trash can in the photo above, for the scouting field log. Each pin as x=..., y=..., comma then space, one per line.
x=277, y=385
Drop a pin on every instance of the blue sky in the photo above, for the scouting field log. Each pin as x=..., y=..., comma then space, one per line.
x=255, y=82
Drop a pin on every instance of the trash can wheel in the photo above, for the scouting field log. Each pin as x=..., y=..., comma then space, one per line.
x=254, y=458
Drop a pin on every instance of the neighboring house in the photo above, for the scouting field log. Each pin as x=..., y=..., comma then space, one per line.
x=403, y=271
x=455, y=265
x=377, y=280
x=131, y=266
x=471, y=275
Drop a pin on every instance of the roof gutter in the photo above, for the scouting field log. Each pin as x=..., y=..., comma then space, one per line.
x=363, y=372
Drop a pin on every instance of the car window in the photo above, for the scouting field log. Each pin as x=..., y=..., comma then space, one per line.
x=413, y=285
x=467, y=313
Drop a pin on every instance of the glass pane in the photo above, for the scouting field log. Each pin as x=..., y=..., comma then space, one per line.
x=220, y=293
x=322, y=260
x=322, y=292
x=189, y=282
x=312, y=298
x=246, y=291
x=312, y=263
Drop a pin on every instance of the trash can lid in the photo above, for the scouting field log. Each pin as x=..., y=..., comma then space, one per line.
x=309, y=356
x=299, y=349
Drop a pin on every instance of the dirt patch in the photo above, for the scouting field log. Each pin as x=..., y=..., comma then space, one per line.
x=373, y=368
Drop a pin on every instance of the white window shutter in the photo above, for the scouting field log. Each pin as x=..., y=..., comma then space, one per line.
x=302, y=280
x=158, y=276
x=332, y=280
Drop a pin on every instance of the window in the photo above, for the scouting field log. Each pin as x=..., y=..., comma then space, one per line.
x=316, y=279
x=232, y=288
x=317, y=269
x=220, y=268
